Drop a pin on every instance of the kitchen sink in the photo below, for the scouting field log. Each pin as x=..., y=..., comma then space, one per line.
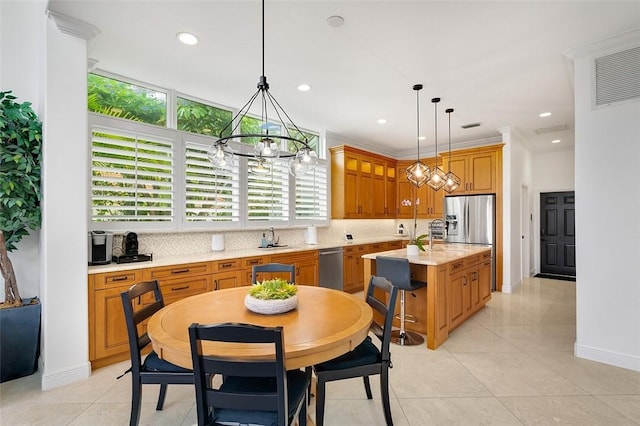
x=273, y=246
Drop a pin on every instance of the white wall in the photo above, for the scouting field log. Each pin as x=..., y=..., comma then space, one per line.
x=516, y=173
x=552, y=172
x=21, y=71
x=607, y=225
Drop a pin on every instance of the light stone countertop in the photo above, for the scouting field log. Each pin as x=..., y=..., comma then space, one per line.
x=440, y=254
x=230, y=254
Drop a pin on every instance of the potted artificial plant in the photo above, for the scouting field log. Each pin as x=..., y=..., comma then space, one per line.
x=20, y=157
x=272, y=297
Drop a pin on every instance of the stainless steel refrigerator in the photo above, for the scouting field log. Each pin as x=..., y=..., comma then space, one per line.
x=471, y=219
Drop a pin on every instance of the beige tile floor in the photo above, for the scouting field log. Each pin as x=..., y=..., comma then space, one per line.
x=511, y=364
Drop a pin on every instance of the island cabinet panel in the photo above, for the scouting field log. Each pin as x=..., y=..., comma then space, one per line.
x=361, y=184
x=485, y=279
x=353, y=268
x=456, y=289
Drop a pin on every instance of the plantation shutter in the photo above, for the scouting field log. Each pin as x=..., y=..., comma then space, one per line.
x=268, y=193
x=211, y=194
x=311, y=194
x=132, y=176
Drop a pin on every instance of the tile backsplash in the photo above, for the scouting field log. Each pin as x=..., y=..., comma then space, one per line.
x=168, y=244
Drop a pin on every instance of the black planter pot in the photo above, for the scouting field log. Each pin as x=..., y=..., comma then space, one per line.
x=19, y=340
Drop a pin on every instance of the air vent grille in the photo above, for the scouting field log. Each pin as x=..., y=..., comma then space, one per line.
x=618, y=77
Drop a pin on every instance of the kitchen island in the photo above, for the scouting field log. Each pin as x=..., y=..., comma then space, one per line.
x=458, y=278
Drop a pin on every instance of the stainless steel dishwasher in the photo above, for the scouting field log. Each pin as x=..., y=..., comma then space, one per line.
x=330, y=268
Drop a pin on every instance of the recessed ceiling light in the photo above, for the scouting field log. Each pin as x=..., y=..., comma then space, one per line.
x=382, y=121
x=335, y=21
x=187, y=38
x=304, y=87
x=545, y=114
x=556, y=141
x=421, y=138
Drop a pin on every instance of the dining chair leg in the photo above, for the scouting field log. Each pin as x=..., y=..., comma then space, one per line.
x=302, y=416
x=384, y=394
x=161, y=396
x=136, y=400
x=367, y=387
x=320, y=387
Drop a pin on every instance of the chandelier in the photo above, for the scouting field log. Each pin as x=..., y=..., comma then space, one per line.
x=418, y=172
x=452, y=182
x=278, y=138
x=438, y=176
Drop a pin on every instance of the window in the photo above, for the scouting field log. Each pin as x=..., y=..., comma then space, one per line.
x=211, y=195
x=311, y=194
x=145, y=175
x=196, y=117
x=251, y=125
x=268, y=193
x=132, y=176
x=116, y=98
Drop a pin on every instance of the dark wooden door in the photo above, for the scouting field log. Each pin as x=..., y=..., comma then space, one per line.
x=558, y=233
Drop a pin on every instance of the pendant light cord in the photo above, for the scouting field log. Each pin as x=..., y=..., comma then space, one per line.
x=263, y=37
x=418, y=121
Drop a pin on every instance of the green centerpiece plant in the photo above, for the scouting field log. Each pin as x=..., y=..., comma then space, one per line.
x=273, y=289
x=272, y=297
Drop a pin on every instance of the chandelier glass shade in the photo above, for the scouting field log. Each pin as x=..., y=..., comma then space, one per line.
x=418, y=173
x=269, y=146
x=452, y=182
x=438, y=176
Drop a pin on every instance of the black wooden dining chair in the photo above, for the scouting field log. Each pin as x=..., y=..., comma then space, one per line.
x=274, y=267
x=366, y=359
x=153, y=370
x=254, y=391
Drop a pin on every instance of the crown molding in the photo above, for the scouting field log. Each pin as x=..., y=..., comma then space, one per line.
x=622, y=41
x=72, y=26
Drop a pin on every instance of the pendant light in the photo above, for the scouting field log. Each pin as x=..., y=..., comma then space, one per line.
x=438, y=176
x=452, y=182
x=279, y=137
x=418, y=172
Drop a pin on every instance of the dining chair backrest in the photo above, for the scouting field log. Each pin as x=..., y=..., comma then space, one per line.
x=133, y=317
x=382, y=301
x=279, y=269
x=247, y=386
x=139, y=303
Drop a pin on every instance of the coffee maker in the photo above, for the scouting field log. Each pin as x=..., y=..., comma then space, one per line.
x=130, y=244
x=100, y=247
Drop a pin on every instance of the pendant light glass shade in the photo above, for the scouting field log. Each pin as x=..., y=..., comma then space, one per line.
x=438, y=177
x=288, y=142
x=418, y=173
x=452, y=181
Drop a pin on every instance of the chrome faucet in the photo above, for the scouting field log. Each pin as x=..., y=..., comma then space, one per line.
x=440, y=221
x=273, y=242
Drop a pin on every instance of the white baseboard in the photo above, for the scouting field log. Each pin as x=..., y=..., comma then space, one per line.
x=510, y=288
x=607, y=357
x=61, y=378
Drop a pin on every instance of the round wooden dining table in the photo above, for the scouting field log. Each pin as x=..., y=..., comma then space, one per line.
x=327, y=323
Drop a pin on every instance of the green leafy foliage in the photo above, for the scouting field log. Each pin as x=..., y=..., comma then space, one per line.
x=20, y=158
x=123, y=100
x=420, y=241
x=273, y=289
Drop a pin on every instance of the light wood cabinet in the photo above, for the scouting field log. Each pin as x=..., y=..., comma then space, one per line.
x=353, y=268
x=431, y=202
x=355, y=176
x=477, y=169
x=306, y=264
x=469, y=279
x=485, y=278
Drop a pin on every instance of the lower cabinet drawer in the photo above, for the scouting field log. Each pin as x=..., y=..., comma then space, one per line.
x=173, y=290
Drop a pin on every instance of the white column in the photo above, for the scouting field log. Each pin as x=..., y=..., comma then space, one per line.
x=63, y=242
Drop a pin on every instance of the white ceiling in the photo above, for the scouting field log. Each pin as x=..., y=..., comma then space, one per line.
x=497, y=63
